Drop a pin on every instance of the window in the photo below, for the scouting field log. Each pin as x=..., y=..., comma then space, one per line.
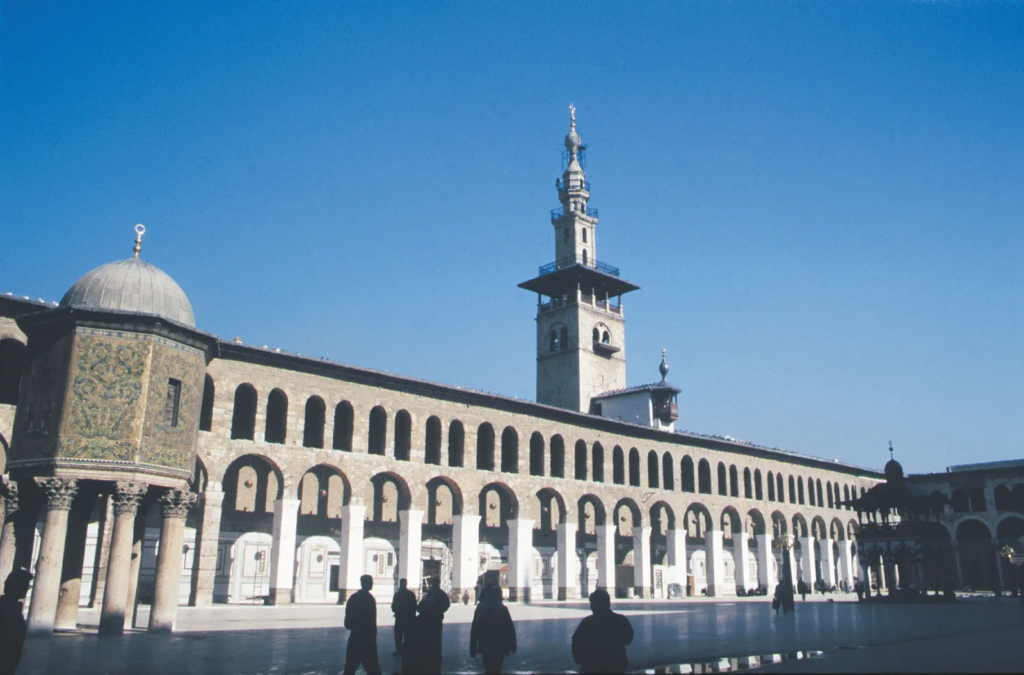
x=557, y=457
x=432, y=446
x=597, y=463
x=584, y=235
x=606, y=338
x=172, y=402
x=634, y=467
x=581, y=460
x=378, y=430
x=723, y=485
x=597, y=335
x=243, y=416
x=563, y=338
x=277, y=417
x=687, y=474
x=403, y=435
x=585, y=257
x=206, y=413
x=343, y=416
x=456, y=443
x=313, y=431
x=618, y=466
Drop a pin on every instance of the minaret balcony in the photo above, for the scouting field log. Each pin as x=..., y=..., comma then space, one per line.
x=569, y=261
x=559, y=213
x=584, y=299
x=571, y=186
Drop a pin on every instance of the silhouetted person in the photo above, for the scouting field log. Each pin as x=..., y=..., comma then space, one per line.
x=441, y=600
x=801, y=588
x=477, y=593
x=422, y=653
x=859, y=588
x=403, y=605
x=599, y=643
x=777, y=598
x=493, y=634
x=361, y=620
x=12, y=620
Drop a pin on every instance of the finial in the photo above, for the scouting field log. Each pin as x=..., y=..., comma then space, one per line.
x=140, y=230
x=890, y=450
x=663, y=368
x=572, y=117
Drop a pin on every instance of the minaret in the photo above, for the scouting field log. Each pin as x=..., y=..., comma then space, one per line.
x=581, y=335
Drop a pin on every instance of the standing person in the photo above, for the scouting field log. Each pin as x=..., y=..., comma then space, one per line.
x=859, y=588
x=777, y=598
x=403, y=606
x=801, y=588
x=440, y=598
x=12, y=620
x=493, y=635
x=477, y=593
x=361, y=621
x=599, y=643
x=422, y=654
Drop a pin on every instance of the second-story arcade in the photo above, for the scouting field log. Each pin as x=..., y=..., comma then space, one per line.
x=581, y=337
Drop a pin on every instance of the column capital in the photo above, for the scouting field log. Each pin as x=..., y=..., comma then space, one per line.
x=176, y=503
x=127, y=497
x=60, y=492
x=10, y=494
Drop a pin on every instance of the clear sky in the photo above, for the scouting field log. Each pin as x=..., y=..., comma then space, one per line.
x=821, y=201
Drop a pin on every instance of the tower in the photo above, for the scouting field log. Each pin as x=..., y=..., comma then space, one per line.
x=581, y=337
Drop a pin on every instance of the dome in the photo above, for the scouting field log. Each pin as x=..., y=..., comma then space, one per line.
x=893, y=470
x=573, y=141
x=131, y=285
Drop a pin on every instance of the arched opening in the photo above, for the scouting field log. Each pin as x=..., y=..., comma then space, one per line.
x=978, y=502
x=734, y=481
x=557, y=457
x=536, y=454
x=668, y=475
x=618, y=466
x=553, y=340
x=634, y=467
x=378, y=435
x=243, y=414
x=652, y=470
x=206, y=412
x=771, y=487
x=723, y=482
x=251, y=486
x=627, y=516
x=748, y=484
x=403, y=435
x=596, y=335
x=828, y=491
x=389, y=494
x=315, y=418
x=817, y=488
x=758, y=485
x=12, y=360
x=597, y=462
x=846, y=496
x=456, y=443
x=498, y=505
x=343, y=419
x=323, y=491
x=485, y=447
x=509, y=451
x=704, y=477
x=961, y=503
x=277, y=417
x=584, y=235
x=432, y=441
x=444, y=501
x=835, y=488
x=697, y=521
x=977, y=555
x=581, y=461
x=550, y=509
x=799, y=489
x=792, y=491
x=687, y=474
x=585, y=257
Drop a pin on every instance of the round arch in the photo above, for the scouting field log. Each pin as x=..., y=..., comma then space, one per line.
x=444, y=500
x=552, y=511
x=498, y=505
x=780, y=527
x=623, y=522
x=252, y=483
x=818, y=528
x=730, y=522
x=836, y=531
x=323, y=490
x=662, y=517
x=697, y=520
x=591, y=513
x=755, y=523
x=800, y=529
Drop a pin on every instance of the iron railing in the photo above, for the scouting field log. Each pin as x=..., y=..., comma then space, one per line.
x=569, y=261
x=557, y=214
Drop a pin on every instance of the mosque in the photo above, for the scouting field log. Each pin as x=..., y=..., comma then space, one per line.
x=149, y=462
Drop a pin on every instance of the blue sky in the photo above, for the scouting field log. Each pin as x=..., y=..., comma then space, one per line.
x=822, y=202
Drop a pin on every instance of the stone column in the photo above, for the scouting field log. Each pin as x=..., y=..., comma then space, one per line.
x=167, y=587
x=793, y=569
x=741, y=552
x=204, y=571
x=282, y=552
x=606, y=558
x=810, y=574
x=351, y=563
x=675, y=540
x=714, y=565
x=115, y=610
x=828, y=564
x=642, y=562
x=70, y=594
x=42, y=613
x=765, y=557
x=465, y=551
x=568, y=572
x=138, y=542
x=103, y=535
x=8, y=543
x=520, y=559
x=410, y=548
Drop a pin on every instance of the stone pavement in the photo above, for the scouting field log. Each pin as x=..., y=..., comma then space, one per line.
x=971, y=635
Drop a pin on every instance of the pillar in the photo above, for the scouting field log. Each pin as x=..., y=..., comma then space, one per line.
x=846, y=561
x=465, y=553
x=520, y=559
x=714, y=564
x=351, y=562
x=791, y=554
x=42, y=613
x=828, y=564
x=765, y=557
x=167, y=587
x=115, y=610
x=8, y=543
x=807, y=554
x=568, y=573
x=70, y=594
x=282, y=551
x=642, y=562
x=204, y=571
x=104, y=533
x=132, y=601
x=606, y=558
x=410, y=549
x=675, y=540
x=741, y=552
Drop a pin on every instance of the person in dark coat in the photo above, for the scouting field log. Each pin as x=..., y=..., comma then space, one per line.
x=422, y=653
x=12, y=620
x=493, y=635
x=599, y=643
x=403, y=605
x=361, y=620
x=801, y=588
x=441, y=600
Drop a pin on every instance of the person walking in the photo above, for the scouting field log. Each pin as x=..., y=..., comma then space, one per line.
x=492, y=635
x=12, y=620
x=422, y=654
x=403, y=606
x=599, y=643
x=361, y=621
x=801, y=588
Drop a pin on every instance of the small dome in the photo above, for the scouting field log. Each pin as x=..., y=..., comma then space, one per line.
x=573, y=141
x=893, y=470
x=131, y=285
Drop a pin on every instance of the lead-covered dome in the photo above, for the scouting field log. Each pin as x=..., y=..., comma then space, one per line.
x=131, y=285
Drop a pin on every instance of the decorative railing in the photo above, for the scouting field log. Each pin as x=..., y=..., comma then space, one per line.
x=585, y=299
x=569, y=261
x=557, y=214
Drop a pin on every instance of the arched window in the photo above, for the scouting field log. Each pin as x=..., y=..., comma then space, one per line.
x=758, y=489
x=243, y=415
x=509, y=451
x=771, y=487
x=723, y=482
x=485, y=447
x=668, y=474
x=313, y=428
x=563, y=338
x=828, y=491
x=961, y=502
x=597, y=335
x=206, y=412
x=606, y=338
x=277, y=417
x=817, y=484
x=835, y=488
x=978, y=499
x=792, y=491
x=12, y=360
x=687, y=474
x=704, y=477
x=780, y=493
x=403, y=435
x=456, y=443
x=652, y=470
x=748, y=485
x=342, y=427
x=554, y=341
x=557, y=457
x=597, y=462
x=432, y=441
x=618, y=466
x=584, y=235
x=585, y=257
x=378, y=430
x=581, y=461
x=734, y=482
x=634, y=467
x=846, y=495
x=536, y=454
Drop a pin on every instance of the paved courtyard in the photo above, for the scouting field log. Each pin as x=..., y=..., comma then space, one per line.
x=973, y=635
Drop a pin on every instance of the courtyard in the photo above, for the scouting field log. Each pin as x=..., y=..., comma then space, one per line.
x=972, y=635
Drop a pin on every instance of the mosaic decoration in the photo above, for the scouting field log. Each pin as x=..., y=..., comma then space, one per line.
x=38, y=418
x=164, y=443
